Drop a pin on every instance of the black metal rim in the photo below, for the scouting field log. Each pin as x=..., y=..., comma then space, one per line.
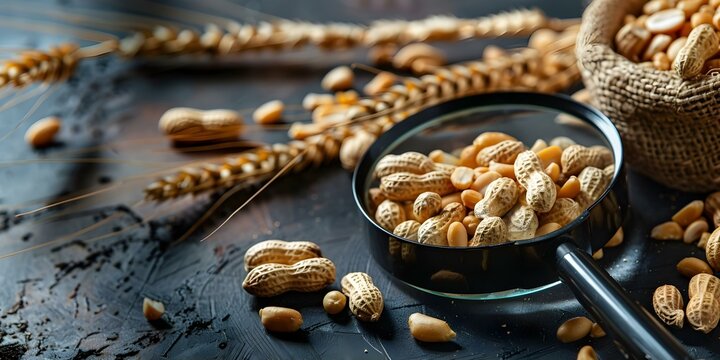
x=562, y=103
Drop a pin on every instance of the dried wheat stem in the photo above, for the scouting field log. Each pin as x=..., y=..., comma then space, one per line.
x=247, y=167
x=256, y=165
x=286, y=34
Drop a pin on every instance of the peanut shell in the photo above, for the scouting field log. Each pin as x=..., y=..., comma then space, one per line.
x=389, y=214
x=703, y=282
x=410, y=162
x=434, y=230
x=575, y=158
x=407, y=229
x=309, y=275
x=522, y=222
x=500, y=196
x=407, y=186
x=365, y=299
x=563, y=212
x=712, y=250
x=668, y=305
x=503, y=152
x=280, y=252
x=490, y=231
x=426, y=205
x=703, y=312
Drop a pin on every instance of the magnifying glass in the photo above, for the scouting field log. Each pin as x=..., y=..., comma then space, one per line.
x=520, y=267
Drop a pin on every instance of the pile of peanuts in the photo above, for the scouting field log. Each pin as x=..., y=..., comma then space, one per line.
x=493, y=191
x=689, y=225
x=275, y=267
x=670, y=34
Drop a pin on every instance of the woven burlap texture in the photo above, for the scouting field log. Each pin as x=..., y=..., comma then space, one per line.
x=670, y=127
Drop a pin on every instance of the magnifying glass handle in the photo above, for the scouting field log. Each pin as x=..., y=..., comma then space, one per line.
x=641, y=335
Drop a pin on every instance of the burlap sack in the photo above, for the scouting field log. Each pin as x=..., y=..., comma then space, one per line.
x=670, y=127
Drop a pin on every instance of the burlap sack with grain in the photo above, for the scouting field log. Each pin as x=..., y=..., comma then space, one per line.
x=670, y=127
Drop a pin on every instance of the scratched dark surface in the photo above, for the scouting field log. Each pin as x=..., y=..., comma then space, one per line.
x=82, y=296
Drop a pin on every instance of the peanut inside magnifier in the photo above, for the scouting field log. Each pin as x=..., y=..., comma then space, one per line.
x=497, y=187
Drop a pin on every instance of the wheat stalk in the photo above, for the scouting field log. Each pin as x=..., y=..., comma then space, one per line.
x=286, y=34
x=248, y=167
x=58, y=63
x=523, y=70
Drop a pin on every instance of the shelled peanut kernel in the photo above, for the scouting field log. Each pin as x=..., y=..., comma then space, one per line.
x=680, y=35
x=490, y=192
x=688, y=223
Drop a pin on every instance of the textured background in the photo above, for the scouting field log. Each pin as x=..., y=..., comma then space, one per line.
x=82, y=297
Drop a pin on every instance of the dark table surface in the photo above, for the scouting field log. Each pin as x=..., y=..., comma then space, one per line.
x=82, y=296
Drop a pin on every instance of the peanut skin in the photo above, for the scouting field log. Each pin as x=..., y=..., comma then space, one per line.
x=334, y=302
x=152, y=309
x=429, y=329
x=712, y=208
x=280, y=319
x=491, y=138
x=574, y=329
x=42, y=133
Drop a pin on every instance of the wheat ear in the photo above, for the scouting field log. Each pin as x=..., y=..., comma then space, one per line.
x=58, y=63
x=286, y=34
x=51, y=66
